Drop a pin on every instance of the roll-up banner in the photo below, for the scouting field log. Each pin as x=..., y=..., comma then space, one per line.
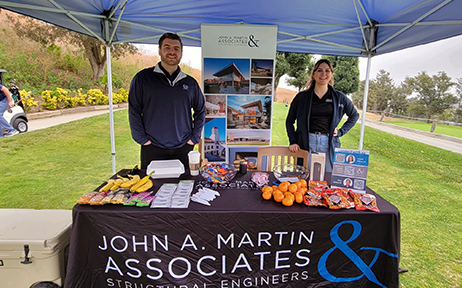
x=238, y=64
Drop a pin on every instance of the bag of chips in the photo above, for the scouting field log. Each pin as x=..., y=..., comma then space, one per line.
x=336, y=200
x=314, y=198
x=313, y=184
x=364, y=201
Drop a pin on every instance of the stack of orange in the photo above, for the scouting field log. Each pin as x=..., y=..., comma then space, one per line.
x=287, y=193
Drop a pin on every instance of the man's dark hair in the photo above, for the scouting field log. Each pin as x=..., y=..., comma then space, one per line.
x=47, y=284
x=172, y=36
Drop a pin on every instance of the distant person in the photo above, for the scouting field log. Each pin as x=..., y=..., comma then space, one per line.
x=317, y=111
x=160, y=102
x=47, y=284
x=6, y=102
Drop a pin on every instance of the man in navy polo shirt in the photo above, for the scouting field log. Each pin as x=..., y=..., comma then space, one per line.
x=166, y=107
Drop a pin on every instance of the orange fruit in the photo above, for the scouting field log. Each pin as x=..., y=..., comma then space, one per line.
x=289, y=195
x=284, y=186
x=298, y=183
x=298, y=197
x=278, y=196
x=303, y=182
x=288, y=202
x=267, y=189
x=274, y=187
x=293, y=188
x=267, y=195
x=277, y=190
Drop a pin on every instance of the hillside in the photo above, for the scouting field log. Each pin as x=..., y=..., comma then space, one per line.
x=285, y=95
x=38, y=68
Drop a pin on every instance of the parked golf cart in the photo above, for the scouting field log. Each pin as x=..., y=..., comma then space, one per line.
x=16, y=115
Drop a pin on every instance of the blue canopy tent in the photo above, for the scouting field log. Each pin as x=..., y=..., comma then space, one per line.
x=330, y=27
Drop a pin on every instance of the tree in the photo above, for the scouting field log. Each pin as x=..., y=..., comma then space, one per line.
x=346, y=76
x=282, y=67
x=432, y=92
x=383, y=94
x=458, y=85
x=299, y=66
x=384, y=88
x=48, y=35
x=400, y=103
x=358, y=97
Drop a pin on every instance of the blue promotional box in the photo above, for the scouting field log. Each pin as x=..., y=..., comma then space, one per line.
x=350, y=169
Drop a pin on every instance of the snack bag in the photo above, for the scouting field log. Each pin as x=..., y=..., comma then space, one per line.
x=336, y=200
x=138, y=197
x=85, y=198
x=96, y=200
x=129, y=201
x=314, y=198
x=260, y=178
x=365, y=201
x=146, y=201
x=318, y=184
x=107, y=199
x=119, y=198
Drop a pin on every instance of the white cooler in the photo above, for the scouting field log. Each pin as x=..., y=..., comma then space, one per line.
x=46, y=233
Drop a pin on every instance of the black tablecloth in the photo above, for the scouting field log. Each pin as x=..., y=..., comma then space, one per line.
x=241, y=240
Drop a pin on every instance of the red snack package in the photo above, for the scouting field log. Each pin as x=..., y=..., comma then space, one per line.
x=318, y=184
x=336, y=200
x=365, y=201
x=314, y=198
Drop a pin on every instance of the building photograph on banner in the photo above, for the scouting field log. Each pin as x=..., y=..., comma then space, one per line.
x=238, y=84
x=214, y=139
x=226, y=76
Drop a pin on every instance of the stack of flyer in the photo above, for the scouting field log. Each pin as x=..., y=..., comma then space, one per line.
x=350, y=169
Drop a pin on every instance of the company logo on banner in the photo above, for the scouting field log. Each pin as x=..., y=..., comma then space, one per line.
x=238, y=83
x=251, y=259
x=238, y=41
x=355, y=258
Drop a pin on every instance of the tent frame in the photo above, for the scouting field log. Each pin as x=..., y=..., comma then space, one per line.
x=110, y=22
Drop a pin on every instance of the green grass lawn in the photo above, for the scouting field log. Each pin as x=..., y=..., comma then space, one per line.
x=454, y=131
x=51, y=168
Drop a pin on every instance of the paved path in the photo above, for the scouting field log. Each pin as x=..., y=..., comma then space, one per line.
x=51, y=118
x=441, y=141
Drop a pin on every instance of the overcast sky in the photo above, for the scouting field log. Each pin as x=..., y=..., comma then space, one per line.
x=444, y=55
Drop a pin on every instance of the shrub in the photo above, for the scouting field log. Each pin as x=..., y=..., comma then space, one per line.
x=97, y=97
x=28, y=100
x=60, y=98
x=120, y=97
x=49, y=101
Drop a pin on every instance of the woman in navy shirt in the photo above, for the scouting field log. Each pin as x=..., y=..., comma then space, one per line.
x=317, y=112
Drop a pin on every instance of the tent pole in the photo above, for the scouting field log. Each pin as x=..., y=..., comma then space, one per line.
x=366, y=93
x=111, y=110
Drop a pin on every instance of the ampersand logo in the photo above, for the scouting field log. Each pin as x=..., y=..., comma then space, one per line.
x=352, y=255
x=252, y=41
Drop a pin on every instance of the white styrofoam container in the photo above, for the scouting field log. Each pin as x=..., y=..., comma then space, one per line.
x=47, y=232
x=165, y=168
